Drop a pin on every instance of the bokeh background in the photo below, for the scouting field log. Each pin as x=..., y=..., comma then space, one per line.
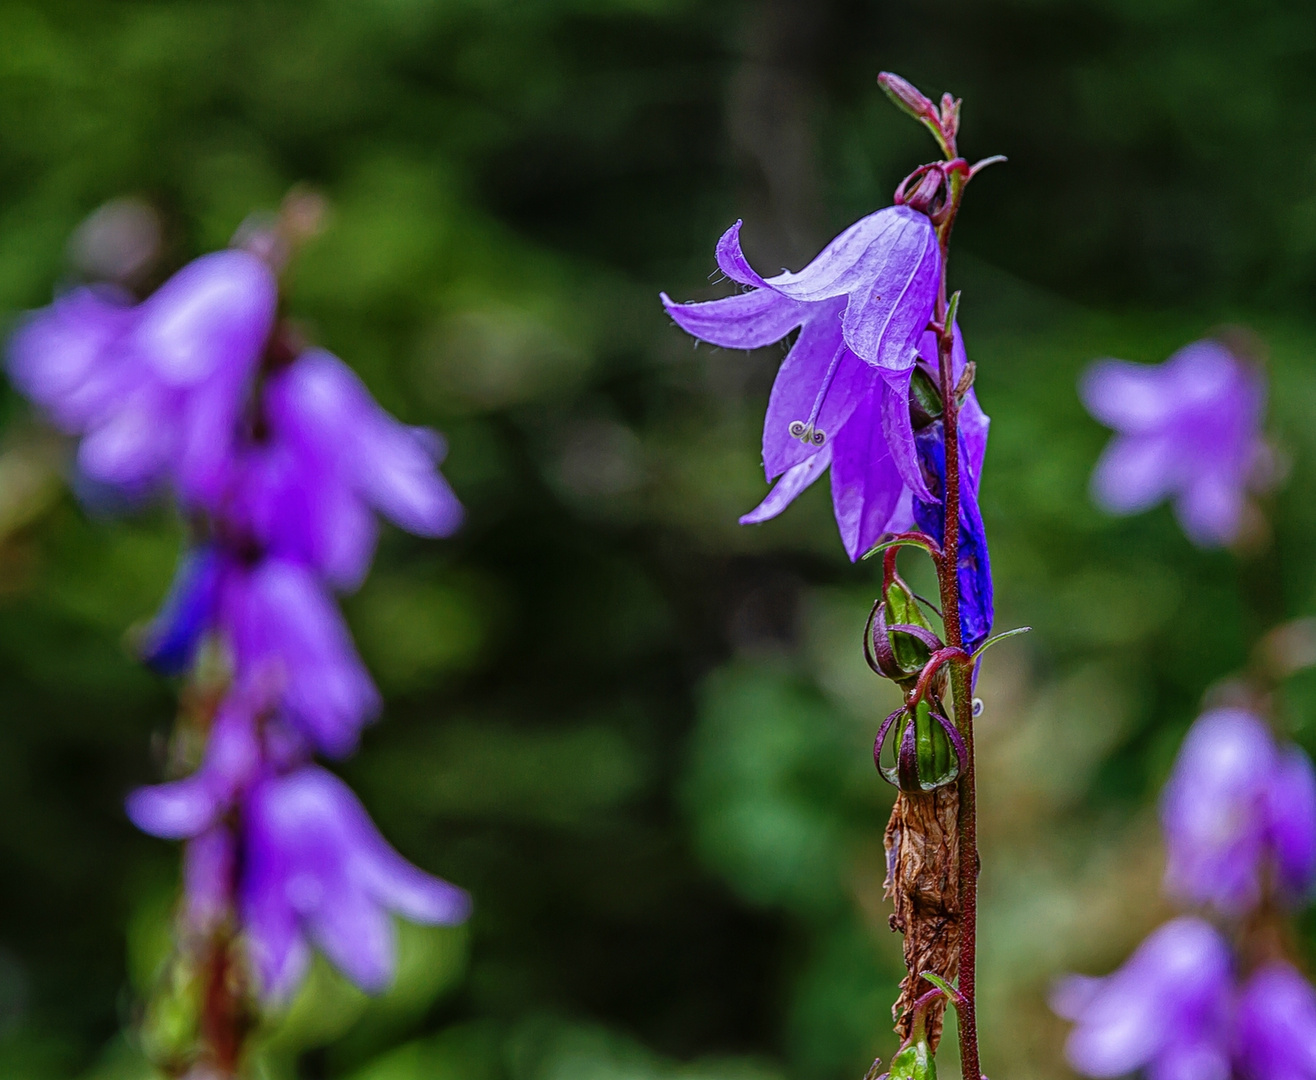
x=639, y=733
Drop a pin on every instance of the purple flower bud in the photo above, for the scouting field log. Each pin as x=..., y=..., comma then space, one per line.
x=317, y=872
x=1276, y=1026
x=1188, y=430
x=1166, y=1010
x=1234, y=808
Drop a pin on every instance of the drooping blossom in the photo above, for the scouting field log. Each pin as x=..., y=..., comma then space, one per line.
x=841, y=398
x=282, y=460
x=318, y=872
x=1166, y=1011
x=1275, y=1027
x=1187, y=430
x=326, y=459
x=1238, y=810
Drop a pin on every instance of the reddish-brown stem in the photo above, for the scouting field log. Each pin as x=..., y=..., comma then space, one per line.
x=224, y=1019
x=961, y=691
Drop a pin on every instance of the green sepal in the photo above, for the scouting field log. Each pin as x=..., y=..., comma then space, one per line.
x=901, y=607
x=925, y=405
x=997, y=638
x=941, y=984
x=914, y=1062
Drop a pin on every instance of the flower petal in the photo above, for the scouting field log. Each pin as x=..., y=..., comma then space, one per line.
x=898, y=432
x=177, y=810
x=1292, y=797
x=1213, y=810
x=170, y=642
x=1210, y=508
x=748, y=320
x=1174, y=987
x=215, y=312
x=357, y=935
x=792, y=482
x=866, y=482
x=1134, y=473
x=853, y=259
x=1276, y=1025
x=63, y=357
x=732, y=262
x=1131, y=398
x=819, y=384
x=284, y=627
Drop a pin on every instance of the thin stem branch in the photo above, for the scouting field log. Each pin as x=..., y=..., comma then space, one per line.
x=961, y=691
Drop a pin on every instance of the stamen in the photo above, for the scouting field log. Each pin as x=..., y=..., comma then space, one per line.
x=807, y=431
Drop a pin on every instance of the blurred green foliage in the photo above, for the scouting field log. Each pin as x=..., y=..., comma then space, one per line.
x=637, y=732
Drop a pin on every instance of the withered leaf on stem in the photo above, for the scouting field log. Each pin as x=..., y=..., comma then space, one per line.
x=923, y=882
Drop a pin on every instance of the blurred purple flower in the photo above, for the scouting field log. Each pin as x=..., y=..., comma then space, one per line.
x=1188, y=429
x=1166, y=1010
x=1236, y=809
x=155, y=389
x=841, y=398
x=1276, y=1026
x=316, y=871
x=284, y=629
x=327, y=458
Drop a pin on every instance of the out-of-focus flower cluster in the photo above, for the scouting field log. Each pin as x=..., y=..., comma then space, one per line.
x=281, y=462
x=1239, y=816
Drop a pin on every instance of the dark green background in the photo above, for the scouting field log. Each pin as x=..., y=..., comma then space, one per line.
x=637, y=732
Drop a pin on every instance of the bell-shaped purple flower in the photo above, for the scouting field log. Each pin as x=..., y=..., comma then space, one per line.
x=1275, y=1027
x=327, y=459
x=317, y=872
x=154, y=389
x=1238, y=810
x=1188, y=430
x=841, y=398
x=285, y=631
x=1165, y=1011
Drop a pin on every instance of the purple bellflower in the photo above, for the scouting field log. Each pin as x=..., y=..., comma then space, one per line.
x=1238, y=811
x=318, y=871
x=841, y=398
x=326, y=460
x=1188, y=430
x=1165, y=1011
x=1275, y=1026
x=282, y=459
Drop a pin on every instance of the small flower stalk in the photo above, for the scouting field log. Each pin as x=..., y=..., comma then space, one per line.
x=1216, y=993
x=281, y=462
x=877, y=391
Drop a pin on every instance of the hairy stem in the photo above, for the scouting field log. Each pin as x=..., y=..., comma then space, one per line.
x=961, y=691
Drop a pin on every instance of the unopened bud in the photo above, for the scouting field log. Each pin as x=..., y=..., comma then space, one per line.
x=950, y=115
x=899, y=640
x=929, y=752
x=908, y=97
